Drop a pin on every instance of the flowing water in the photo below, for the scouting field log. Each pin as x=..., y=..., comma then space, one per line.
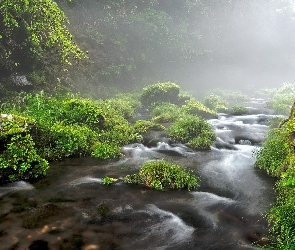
x=71, y=209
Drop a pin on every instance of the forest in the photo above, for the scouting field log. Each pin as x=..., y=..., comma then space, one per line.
x=77, y=75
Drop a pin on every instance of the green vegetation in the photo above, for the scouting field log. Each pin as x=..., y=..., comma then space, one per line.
x=165, y=112
x=162, y=175
x=272, y=156
x=231, y=97
x=55, y=127
x=278, y=159
x=194, y=131
x=239, y=110
x=33, y=29
x=163, y=92
x=108, y=180
x=67, y=125
x=195, y=107
x=20, y=160
x=216, y=103
x=281, y=99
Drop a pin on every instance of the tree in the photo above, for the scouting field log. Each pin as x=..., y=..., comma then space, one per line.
x=33, y=32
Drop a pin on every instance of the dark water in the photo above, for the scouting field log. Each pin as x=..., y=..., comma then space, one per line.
x=71, y=209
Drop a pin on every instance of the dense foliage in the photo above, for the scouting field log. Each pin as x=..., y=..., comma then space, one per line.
x=239, y=110
x=193, y=130
x=32, y=31
x=18, y=156
x=278, y=159
x=162, y=175
x=215, y=102
x=68, y=125
x=281, y=99
x=163, y=92
x=165, y=112
x=195, y=107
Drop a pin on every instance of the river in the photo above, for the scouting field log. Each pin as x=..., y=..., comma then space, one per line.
x=70, y=208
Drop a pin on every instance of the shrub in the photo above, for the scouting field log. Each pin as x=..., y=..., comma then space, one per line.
x=160, y=92
x=215, y=102
x=13, y=124
x=162, y=175
x=272, y=156
x=278, y=159
x=239, y=110
x=82, y=112
x=165, y=112
x=194, y=107
x=281, y=219
x=183, y=97
x=281, y=99
x=143, y=126
x=106, y=150
x=121, y=134
x=20, y=160
x=133, y=99
x=67, y=140
x=203, y=141
x=193, y=130
x=231, y=96
x=117, y=106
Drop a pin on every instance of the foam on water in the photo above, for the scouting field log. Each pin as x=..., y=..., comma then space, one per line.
x=203, y=200
x=179, y=149
x=15, y=186
x=85, y=180
x=170, y=227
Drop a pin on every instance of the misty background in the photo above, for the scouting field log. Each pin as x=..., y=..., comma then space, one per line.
x=198, y=44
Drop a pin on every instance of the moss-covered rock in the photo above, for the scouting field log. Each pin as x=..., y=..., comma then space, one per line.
x=162, y=175
x=18, y=156
x=215, y=102
x=195, y=107
x=193, y=130
x=82, y=111
x=160, y=92
x=239, y=110
x=13, y=124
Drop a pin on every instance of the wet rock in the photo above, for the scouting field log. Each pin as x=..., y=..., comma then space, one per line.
x=152, y=138
x=9, y=242
x=91, y=247
x=39, y=245
x=222, y=144
x=72, y=243
x=40, y=215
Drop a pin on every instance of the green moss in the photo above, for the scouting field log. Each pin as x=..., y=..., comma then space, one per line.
x=193, y=130
x=195, y=107
x=278, y=159
x=165, y=112
x=162, y=175
x=239, y=110
x=11, y=124
x=82, y=112
x=20, y=160
x=160, y=92
x=215, y=102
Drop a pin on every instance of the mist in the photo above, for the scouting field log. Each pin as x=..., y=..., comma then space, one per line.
x=200, y=45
